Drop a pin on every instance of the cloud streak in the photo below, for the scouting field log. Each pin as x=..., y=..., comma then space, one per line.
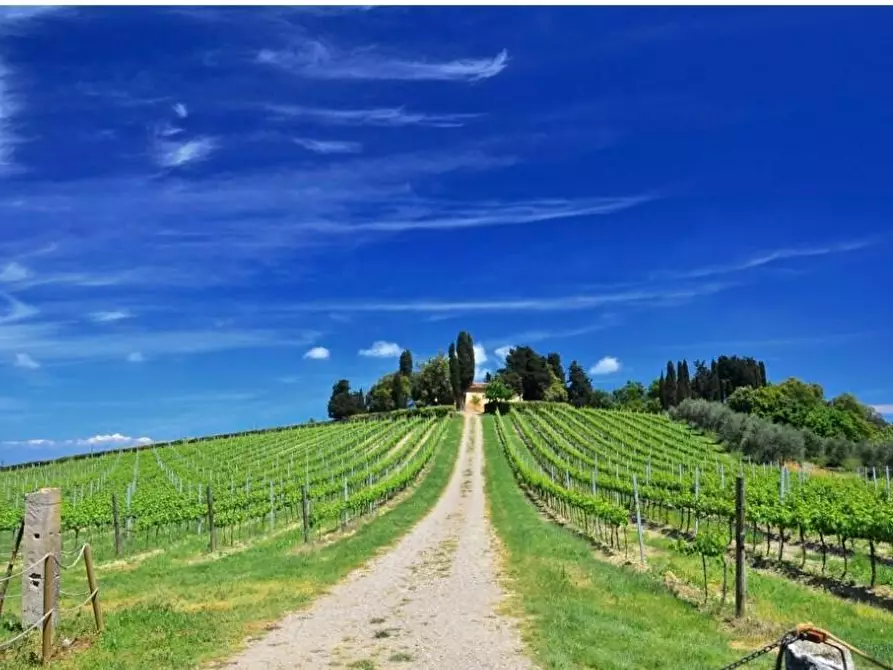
x=109, y=317
x=378, y=116
x=318, y=354
x=326, y=147
x=548, y=304
x=313, y=59
x=176, y=154
x=772, y=256
x=26, y=361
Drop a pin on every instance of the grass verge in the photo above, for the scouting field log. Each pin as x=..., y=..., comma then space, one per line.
x=171, y=612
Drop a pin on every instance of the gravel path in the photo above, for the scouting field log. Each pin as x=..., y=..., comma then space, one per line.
x=430, y=602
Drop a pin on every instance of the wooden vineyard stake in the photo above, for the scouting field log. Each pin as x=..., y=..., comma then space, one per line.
x=49, y=580
x=94, y=589
x=305, y=512
x=117, y=524
x=211, y=527
x=639, y=521
x=12, y=559
x=740, y=576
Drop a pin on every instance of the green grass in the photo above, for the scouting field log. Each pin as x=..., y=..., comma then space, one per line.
x=178, y=609
x=582, y=611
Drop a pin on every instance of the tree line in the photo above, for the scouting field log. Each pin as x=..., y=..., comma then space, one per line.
x=440, y=380
x=730, y=395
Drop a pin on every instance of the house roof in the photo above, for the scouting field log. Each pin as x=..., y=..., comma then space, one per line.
x=477, y=387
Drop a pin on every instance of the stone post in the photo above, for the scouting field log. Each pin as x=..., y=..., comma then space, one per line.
x=43, y=526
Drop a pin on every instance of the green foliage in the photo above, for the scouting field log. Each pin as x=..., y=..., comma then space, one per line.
x=405, y=368
x=556, y=391
x=554, y=362
x=431, y=384
x=343, y=403
x=601, y=399
x=579, y=388
x=683, y=383
x=528, y=373
x=465, y=357
x=458, y=394
x=498, y=391
x=669, y=386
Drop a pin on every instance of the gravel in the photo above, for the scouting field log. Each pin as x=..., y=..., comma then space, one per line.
x=430, y=602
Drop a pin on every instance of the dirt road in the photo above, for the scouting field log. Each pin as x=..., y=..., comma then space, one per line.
x=430, y=602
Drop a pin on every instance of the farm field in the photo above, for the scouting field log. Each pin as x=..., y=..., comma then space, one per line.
x=256, y=481
x=169, y=583
x=537, y=441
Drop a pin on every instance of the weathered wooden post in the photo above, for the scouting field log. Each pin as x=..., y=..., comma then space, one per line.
x=50, y=598
x=42, y=539
x=740, y=576
x=94, y=587
x=17, y=542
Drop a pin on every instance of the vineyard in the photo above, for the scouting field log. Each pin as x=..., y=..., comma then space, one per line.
x=584, y=463
x=257, y=482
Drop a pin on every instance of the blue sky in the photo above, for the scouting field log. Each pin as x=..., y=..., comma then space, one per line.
x=209, y=215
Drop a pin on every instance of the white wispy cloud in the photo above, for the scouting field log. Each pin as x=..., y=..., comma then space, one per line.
x=175, y=154
x=489, y=216
x=883, y=408
x=18, y=311
x=108, y=441
x=19, y=13
x=107, y=317
x=8, y=107
x=607, y=321
x=772, y=256
x=181, y=110
x=318, y=354
x=327, y=147
x=502, y=352
x=382, y=349
x=15, y=272
x=26, y=361
x=314, y=59
x=606, y=366
x=480, y=357
x=379, y=116
x=548, y=304
x=135, y=357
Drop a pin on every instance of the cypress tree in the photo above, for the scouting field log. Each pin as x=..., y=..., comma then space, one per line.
x=763, y=381
x=465, y=356
x=458, y=395
x=683, y=383
x=670, y=384
x=406, y=363
x=662, y=391
x=579, y=388
x=715, y=390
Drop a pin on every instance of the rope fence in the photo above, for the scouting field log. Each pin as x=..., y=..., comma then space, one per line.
x=51, y=573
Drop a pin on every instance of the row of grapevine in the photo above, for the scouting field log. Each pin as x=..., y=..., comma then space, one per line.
x=685, y=475
x=256, y=478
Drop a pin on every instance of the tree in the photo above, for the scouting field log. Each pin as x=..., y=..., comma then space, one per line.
x=498, y=391
x=662, y=391
x=406, y=363
x=670, y=385
x=683, y=382
x=431, y=384
x=527, y=372
x=458, y=394
x=763, y=380
x=343, y=403
x=381, y=396
x=556, y=392
x=554, y=362
x=465, y=357
x=715, y=383
x=601, y=399
x=402, y=391
x=579, y=387
x=631, y=395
